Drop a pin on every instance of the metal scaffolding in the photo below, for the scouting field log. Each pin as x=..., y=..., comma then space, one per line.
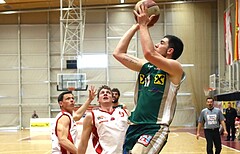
x=71, y=29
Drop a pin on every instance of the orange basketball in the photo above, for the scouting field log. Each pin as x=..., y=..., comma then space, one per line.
x=153, y=8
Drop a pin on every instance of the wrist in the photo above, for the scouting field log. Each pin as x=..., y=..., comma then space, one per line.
x=143, y=26
x=89, y=100
x=135, y=26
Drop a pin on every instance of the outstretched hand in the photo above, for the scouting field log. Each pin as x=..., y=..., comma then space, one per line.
x=92, y=92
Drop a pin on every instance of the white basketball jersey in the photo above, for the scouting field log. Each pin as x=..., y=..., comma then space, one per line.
x=109, y=130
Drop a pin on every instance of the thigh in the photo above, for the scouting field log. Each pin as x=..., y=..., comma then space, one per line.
x=217, y=139
x=209, y=136
x=132, y=135
x=151, y=144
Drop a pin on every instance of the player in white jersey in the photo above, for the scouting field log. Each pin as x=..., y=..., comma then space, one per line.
x=64, y=133
x=106, y=124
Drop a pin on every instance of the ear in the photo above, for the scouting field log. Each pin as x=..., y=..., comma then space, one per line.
x=170, y=51
x=60, y=103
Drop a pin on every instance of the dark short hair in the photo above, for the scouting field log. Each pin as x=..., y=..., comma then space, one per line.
x=175, y=43
x=210, y=98
x=103, y=87
x=60, y=97
x=116, y=90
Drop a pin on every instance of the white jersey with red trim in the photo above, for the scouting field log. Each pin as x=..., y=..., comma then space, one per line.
x=109, y=130
x=72, y=136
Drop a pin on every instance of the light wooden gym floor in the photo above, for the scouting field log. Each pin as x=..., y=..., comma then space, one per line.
x=179, y=142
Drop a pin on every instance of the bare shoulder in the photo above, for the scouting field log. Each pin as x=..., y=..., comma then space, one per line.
x=63, y=122
x=64, y=119
x=88, y=118
x=176, y=72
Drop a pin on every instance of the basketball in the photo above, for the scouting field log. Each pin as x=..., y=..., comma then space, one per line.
x=153, y=8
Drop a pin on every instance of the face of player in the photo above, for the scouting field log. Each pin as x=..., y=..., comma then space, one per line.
x=115, y=97
x=210, y=103
x=162, y=47
x=105, y=97
x=68, y=103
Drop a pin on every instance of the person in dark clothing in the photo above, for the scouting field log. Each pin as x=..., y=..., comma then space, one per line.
x=34, y=114
x=211, y=118
x=230, y=116
x=116, y=96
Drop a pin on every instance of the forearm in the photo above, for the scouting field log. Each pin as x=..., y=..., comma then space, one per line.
x=125, y=40
x=86, y=132
x=223, y=125
x=199, y=128
x=120, y=52
x=146, y=41
x=82, y=147
x=68, y=145
x=81, y=110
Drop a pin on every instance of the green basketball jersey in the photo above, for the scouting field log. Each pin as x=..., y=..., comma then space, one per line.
x=155, y=97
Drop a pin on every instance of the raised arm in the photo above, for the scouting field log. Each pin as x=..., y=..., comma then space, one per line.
x=159, y=54
x=86, y=132
x=91, y=95
x=120, y=52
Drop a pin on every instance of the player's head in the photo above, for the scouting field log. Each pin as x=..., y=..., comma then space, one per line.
x=175, y=43
x=209, y=102
x=107, y=88
x=116, y=95
x=61, y=96
x=66, y=101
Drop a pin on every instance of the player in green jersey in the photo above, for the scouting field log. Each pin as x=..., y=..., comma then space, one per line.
x=159, y=79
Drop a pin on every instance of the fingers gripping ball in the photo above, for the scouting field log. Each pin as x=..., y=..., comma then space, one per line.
x=153, y=8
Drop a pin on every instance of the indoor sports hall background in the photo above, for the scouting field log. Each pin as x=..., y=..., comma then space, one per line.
x=31, y=57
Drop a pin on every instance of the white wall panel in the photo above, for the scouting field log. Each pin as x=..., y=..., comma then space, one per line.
x=35, y=102
x=94, y=46
x=54, y=31
x=112, y=43
x=8, y=91
x=95, y=31
x=121, y=75
x=95, y=75
x=34, y=61
x=34, y=91
x=121, y=16
x=34, y=31
x=9, y=101
x=9, y=77
x=9, y=116
x=9, y=46
x=33, y=75
x=95, y=16
x=55, y=47
x=118, y=30
x=34, y=46
x=5, y=29
x=8, y=61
